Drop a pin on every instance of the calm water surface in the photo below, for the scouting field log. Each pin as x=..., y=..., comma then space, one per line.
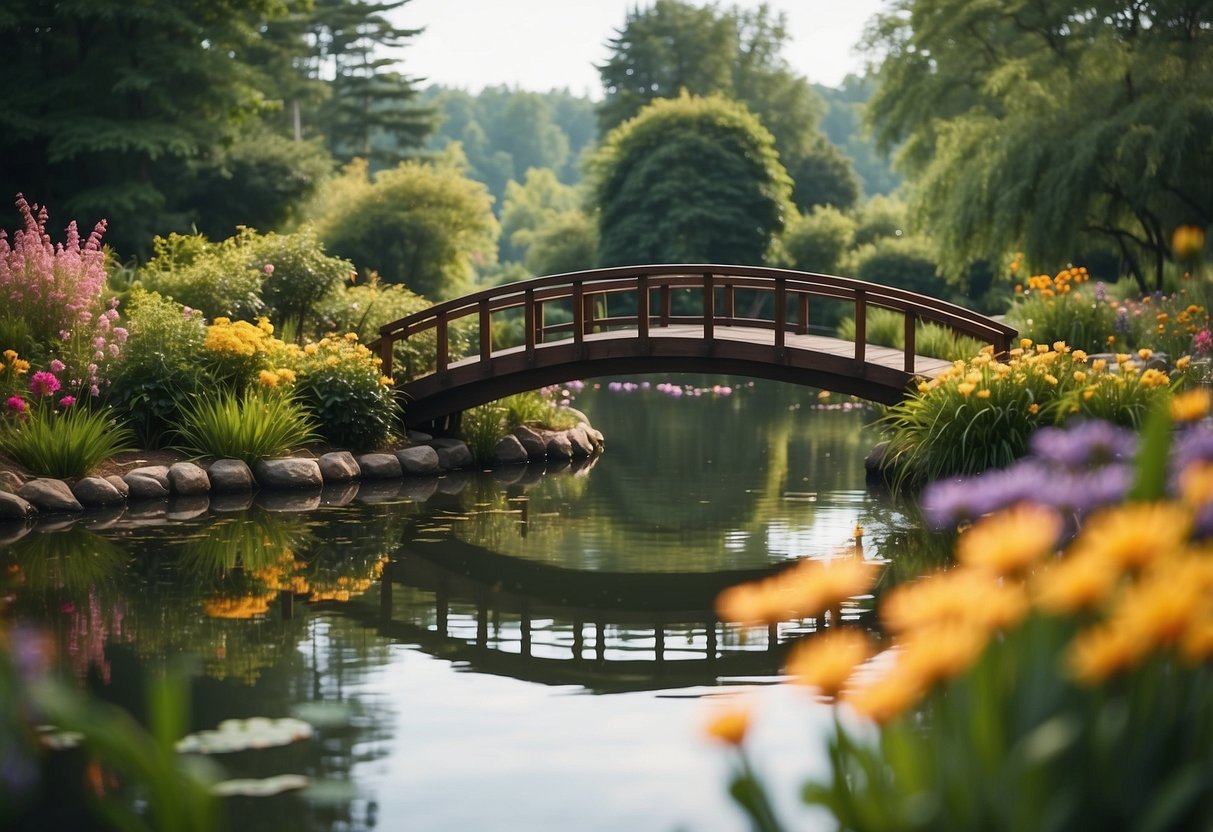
x=490, y=652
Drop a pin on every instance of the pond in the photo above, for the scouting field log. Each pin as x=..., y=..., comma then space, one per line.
x=495, y=651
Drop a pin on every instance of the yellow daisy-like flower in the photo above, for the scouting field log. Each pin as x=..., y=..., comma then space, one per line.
x=1153, y=378
x=1079, y=355
x=20, y=366
x=886, y=697
x=1182, y=362
x=983, y=394
x=1131, y=536
x=1122, y=357
x=385, y=381
x=1191, y=406
x=1060, y=346
x=806, y=589
x=729, y=726
x=1033, y=408
x=10, y=355
x=1144, y=353
x=827, y=661
x=351, y=336
x=1051, y=379
x=286, y=375
x=1099, y=365
x=1080, y=376
x=942, y=652
x=922, y=387
x=1074, y=583
x=1010, y=542
x=965, y=388
x=1101, y=652
x=1025, y=343
x=970, y=597
x=268, y=378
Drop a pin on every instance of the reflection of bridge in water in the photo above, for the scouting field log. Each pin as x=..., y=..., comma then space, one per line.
x=550, y=624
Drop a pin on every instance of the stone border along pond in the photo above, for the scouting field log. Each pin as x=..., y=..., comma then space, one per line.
x=291, y=483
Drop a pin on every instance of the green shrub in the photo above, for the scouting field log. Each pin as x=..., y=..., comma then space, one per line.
x=980, y=413
x=217, y=278
x=340, y=384
x=819, y=240
x=161, y=366
x=67, y=442
x=298, y=275
x=481, y=428
x=251, y=425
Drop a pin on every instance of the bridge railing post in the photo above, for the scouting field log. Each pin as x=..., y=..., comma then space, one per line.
x=529, y=323
x=578, y=313
x=781, y=310
x=730, y=303
x=441, y=348
x=642, y=308
x=385, y=354
x=910, y=346
x=861, y=326
x=709, y=307
x=802, y=313
x=663, y=300
x=486, y=333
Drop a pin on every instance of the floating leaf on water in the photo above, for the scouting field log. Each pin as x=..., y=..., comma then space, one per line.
x=260, y=788
x=56, y=740
x=243, y=734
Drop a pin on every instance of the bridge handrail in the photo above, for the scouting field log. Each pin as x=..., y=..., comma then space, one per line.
x=787, y=285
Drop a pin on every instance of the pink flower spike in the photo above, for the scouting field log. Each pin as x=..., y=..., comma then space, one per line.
x=43, y=383
x=67, y=401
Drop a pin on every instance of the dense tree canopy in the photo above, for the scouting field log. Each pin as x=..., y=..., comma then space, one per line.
x=689, y=180
x=1051, y=125
x=674, y=46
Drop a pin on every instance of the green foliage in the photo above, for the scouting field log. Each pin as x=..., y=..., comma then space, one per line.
x=819, y=241
x=161, y=365
x=880, y=216
x=689, y=180
x=887, y=328
x=904, y=262
x=217, y=278
x=298, y=275
x=339, y=383
x=481, y=428
x=979, y=414
x=64, y=443
x=673, y=47
x=529, y=206
x=424, y=225
x=250, y=425
x=1054, y=129
x=566, y=242
x=842, y=124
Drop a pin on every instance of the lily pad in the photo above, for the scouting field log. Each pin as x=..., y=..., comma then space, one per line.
x=260, y=788
x=244, y=734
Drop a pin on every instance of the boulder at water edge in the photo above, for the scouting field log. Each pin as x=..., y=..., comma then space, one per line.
x=289, y=473
x=144, y=487
x=580, y=441
x=509, y=451
x=453, y=454
x=230, y=476
x=380, y=467
x=157, y=472
x=418, y=461
x=188, y=479
x=533, y=441
x=13, y=507
x=559, y=446
x=339, y=466
x=95, y=491
x=49, y=496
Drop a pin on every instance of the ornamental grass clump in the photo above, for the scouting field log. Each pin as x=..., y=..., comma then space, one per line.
x=886, y=328
x=340, y=384
x=252, y=425
x=980, y=414
x=1058, y=676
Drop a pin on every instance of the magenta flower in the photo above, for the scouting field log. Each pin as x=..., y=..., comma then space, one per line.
x=43, y=383
x=67, y=401
x=15, y=404
x=57, y=366
x=1203, y=342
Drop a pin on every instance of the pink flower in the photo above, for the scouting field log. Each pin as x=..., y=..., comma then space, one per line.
x=43, y=383
x=269, y=268
x=67, y=401
x=57, y=366
x=1203, y=342
x=15, y=404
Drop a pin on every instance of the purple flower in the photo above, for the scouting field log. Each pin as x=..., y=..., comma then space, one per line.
x=1084, y=444
x=43, y=383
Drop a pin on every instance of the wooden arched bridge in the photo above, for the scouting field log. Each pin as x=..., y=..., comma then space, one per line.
x=737, y=320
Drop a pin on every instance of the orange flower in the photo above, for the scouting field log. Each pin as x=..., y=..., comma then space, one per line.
x=826, y=661
x=1009, y=542
x=729, y=726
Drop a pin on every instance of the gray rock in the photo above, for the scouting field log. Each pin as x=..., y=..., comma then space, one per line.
x=10, y=481
x=157, y=472
x=419, y=437
x=560, y=447
x=441, y=442
x=455, y=457
x=339, y=466
x=144, y=487
x=509, y=451
x=188, y=479
x=230, y=476
x=581, y=417
x=533, y=442
x=13, y=507
x=288, y=473
x=580, y=441
x=380, y=467
x=120, y=484
x=95, y=491
x=49, y=496
x=418, y=461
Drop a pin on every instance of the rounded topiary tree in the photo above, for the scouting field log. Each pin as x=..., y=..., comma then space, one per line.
x=689, y=180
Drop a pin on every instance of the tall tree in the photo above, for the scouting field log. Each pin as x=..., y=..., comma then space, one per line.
x=689, y=180
x=1051, y=125
x=674, y=46
x=106, y=100
x=372, y=111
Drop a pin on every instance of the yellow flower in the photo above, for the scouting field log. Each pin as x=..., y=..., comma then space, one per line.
x=941, y=652
x=983, y=394
x=20, y=366
x=351, y=336
x=1025, y=343
x=1191, y=406
x=1144, y=353
x=268, y=378
x=1100, y=652
x=1011, y=541
x=1042, y=348
x=827, y=661
x=922, y=387
x=1060, y=346
x=1187, y=242
x=729, y=726
x=1122, y=357
x=965, y=596
x=286, y=375
x=310, y=349
x=806, y=589
x=965, y=388
x=1182, y=362
x=1080, y=376
x=10, y=355
x=1130, y=536
x=1153, y=378
x=1079, y=355
x=886, y=697
x=385, y=381
x=1033, y=408
x=973, y=377
x=1051, y=379
x=1076, y=582
x=1099, y=365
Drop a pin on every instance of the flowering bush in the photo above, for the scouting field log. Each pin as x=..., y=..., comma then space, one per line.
x=238, y=351
x=980, y=413
x=1058, y=676
x=339, y=382
x=298, y=275
x=219, y=278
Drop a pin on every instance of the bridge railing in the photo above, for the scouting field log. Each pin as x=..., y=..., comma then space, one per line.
x=590, y=302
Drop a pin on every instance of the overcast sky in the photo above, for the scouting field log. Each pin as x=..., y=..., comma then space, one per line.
x=545, y=44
